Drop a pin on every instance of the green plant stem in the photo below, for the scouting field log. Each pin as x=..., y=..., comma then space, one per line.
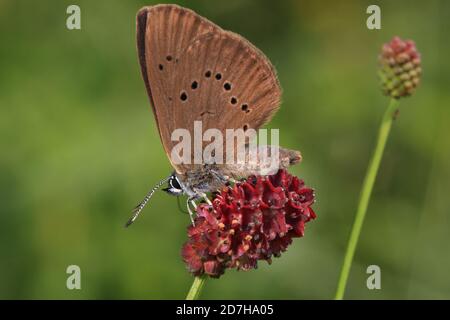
x=366, y=191
x=196, y=288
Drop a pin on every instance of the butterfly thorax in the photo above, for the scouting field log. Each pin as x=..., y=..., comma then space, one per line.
x=201, y=179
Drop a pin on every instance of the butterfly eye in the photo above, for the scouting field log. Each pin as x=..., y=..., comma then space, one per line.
x=245, y=127
x=244, y=107
x=218, y=76
x=194, y=85
x=174, y=183
x=227, y=86
x=169, y=58
x=233, y=100
x=208, y=74
x=161, y=67
x=183, y=96
x=174, y=188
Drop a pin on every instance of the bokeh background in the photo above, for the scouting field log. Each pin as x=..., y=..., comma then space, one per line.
x=79, y=148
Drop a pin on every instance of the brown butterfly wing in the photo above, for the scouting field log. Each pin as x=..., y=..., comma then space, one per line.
x=225, y=82
x=163, y=33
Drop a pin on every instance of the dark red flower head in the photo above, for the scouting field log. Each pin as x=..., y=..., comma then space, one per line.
x=250, y=221
x=400, y=67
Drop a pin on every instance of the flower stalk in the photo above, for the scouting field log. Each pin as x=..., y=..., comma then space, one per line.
x=366, y=191
x=196, y=288
x=399, y=70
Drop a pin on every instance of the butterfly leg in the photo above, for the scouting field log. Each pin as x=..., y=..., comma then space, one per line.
x=190, y=202
x=205, y=197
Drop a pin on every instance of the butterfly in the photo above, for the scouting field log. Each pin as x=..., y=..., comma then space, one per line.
x=194, y=71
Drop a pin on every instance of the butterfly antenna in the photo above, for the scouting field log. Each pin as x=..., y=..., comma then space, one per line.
x=137, y=210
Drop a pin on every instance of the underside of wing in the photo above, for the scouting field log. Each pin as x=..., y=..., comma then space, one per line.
x=163, y=33
x=195, y=71
x=224, y=82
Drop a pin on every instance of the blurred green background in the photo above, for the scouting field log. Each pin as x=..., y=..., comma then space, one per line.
x=79, y=148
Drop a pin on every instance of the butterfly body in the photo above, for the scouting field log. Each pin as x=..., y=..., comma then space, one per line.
x=194, y=71
x=207, y=178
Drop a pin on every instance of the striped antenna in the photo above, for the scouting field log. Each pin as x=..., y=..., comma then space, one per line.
x=137, y=210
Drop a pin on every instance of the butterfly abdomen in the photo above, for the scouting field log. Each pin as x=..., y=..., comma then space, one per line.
x=268, y=160
x=264, y=160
